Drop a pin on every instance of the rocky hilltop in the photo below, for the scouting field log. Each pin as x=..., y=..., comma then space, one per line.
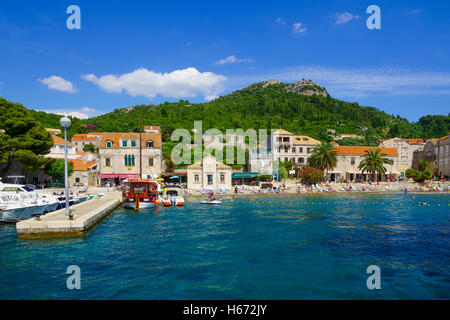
x=303, y=87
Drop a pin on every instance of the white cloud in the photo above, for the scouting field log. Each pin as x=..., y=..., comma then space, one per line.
x=280, y=21
x=183, y=83
x=360, y=82
x=84, y=112
x=233, y=59
x=298, y=27
x=343, y=18
x=59, y=84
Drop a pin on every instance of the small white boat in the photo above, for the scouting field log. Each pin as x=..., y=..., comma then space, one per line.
x=212, y=201
x=172, y=197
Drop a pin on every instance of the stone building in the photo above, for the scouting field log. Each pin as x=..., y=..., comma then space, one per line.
x=57, y=150
x=286, y=146
x=429, y=154
x=82, y=139
x=84, y=173
x=349, y=158
x=119, y=156
x=443, y=156
x=260, y=160
x=209, y=174
x=406, y=150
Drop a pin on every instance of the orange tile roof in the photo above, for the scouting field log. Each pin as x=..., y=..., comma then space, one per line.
x=445, y=137
x=361, y=150
x=80, y=165
x=410, y=141
x=82, y=137
x=116, y=136
x=60, y=141
x=152, y=127
x=414, y=141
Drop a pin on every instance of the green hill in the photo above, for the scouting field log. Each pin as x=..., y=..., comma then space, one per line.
x=301, y=108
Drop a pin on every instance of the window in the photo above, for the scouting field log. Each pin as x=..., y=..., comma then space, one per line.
x=196, y=178
x=210, y=179
x=107, y=162
x=301, y=160
x=149, y=144
x=286, y=159
x=293, y=149
x=222, y=178
x=150, y=162
x=77, y=180
x=133, y=143
x=124, y=143
x=308, y=150
x=108, y=144
x=300, y=150
x=129, y=160
x=352, y=161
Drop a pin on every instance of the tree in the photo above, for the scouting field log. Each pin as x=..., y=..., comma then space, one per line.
x=311, y=175
x=22, y=137
x=282, y=173
x=423, y=164
x=374, y=162
x=423, y=174
x=89, y=148
x=55, y=168
x=323, y=157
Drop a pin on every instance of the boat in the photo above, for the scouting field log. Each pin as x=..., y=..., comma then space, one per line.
x=172, y=197
x=139, y=193
x=20, y=202
x=211, y=201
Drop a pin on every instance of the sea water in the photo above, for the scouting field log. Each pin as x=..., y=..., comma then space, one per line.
x=253, y=247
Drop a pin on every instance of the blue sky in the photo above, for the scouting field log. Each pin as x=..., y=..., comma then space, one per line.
x=141, y=52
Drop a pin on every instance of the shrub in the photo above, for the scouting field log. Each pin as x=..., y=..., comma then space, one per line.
x=311, y=175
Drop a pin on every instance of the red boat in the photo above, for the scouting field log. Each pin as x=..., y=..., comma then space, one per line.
x=140, y=193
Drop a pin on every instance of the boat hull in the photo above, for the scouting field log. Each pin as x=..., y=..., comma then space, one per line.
x=20, y=213
x=142, y=205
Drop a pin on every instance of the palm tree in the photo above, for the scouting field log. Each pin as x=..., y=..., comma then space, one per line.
x=323, y=157
x=374, y=162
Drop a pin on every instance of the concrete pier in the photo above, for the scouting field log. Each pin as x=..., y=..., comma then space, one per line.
x=57, y=223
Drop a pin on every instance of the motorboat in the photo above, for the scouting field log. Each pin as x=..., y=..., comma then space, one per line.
x=139, y=193
x=19, y=202
x=172, y=197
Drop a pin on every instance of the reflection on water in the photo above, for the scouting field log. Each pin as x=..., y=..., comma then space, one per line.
x=258, y=247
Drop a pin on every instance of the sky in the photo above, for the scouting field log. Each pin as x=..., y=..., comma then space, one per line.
x=149, y=52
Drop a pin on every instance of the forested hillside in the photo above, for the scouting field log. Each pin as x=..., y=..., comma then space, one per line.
x=266, y=105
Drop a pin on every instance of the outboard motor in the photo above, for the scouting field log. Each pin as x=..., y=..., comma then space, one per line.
x=172, y=200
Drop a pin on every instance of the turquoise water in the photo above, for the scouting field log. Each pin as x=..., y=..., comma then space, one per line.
x=277, y=247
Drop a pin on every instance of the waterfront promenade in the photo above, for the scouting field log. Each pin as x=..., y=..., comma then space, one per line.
x=85, y=215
